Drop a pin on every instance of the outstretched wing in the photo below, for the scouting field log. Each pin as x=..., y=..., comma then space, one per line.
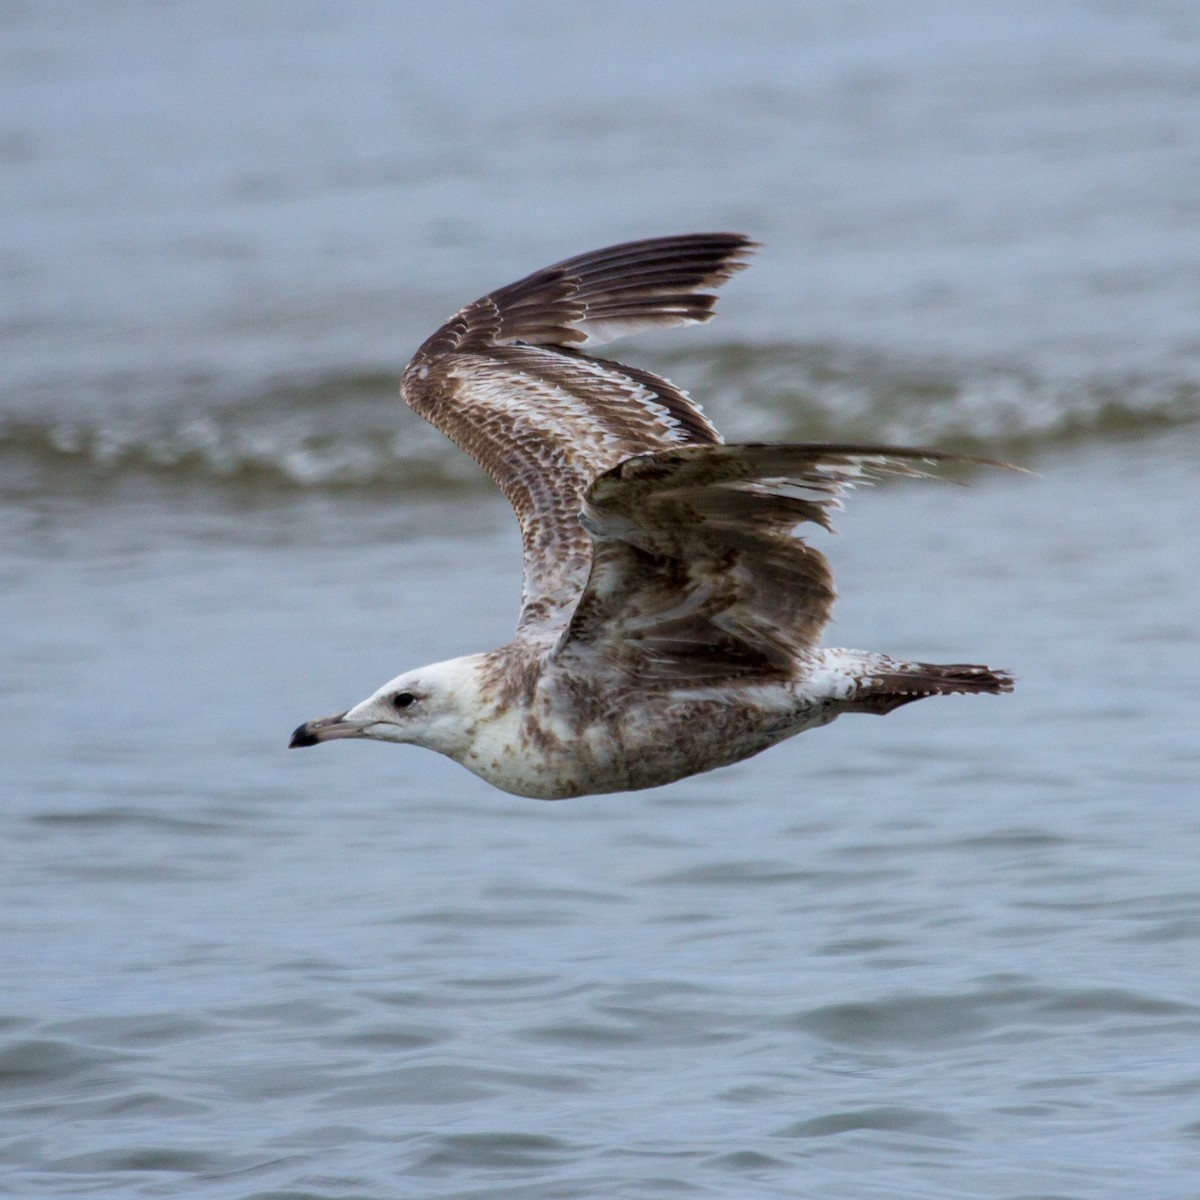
x=697, y=571
x=506, y=381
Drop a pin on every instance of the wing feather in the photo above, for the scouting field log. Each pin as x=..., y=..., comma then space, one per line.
x=504, y=379
x=697, y=571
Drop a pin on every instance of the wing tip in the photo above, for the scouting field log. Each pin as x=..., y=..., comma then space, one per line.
x=595, y=297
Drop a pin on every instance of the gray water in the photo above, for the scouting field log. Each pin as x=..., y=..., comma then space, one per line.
x=952, y=953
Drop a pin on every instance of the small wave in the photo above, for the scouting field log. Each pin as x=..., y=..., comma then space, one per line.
x=834, y=392
x=350, y=430
x=333, y=432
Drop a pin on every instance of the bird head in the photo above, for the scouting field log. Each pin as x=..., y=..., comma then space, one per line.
x=427, y=707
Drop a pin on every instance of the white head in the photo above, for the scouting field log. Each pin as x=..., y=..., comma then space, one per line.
x=433, y=706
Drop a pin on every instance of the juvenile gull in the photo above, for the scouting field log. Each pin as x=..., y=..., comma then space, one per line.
x=670, y=613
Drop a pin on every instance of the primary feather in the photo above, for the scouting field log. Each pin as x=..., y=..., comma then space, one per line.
x=504, y=380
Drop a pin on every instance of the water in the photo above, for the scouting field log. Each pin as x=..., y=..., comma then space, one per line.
x=950, y=953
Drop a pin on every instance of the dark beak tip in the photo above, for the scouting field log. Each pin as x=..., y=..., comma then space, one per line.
x=301, y=736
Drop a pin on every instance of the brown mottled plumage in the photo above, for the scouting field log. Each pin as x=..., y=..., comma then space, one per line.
x=503, y=381
x=670, y=613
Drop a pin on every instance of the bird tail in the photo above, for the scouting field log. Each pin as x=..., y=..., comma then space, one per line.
x=885, y=685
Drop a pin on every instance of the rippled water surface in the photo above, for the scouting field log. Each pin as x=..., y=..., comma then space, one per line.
x=952, y=953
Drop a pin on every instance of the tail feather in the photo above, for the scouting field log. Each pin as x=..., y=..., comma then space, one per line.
x=896, y=683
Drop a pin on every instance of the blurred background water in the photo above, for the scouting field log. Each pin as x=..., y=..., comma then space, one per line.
x=949, y=954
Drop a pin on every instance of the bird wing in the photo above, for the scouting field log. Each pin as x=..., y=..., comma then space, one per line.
x=506, y=380
x=697, y=571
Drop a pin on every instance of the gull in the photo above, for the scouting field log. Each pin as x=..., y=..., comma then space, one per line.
x=670, y=609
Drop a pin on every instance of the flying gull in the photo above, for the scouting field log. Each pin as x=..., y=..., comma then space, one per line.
x=670, y=612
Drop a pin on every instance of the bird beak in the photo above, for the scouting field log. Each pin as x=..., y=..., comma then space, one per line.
x=325, y=729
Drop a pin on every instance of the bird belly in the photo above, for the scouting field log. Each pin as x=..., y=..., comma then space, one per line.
x=657, y=740
x=689, y=736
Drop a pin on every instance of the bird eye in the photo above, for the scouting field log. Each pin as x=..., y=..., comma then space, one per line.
x=403, y=699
